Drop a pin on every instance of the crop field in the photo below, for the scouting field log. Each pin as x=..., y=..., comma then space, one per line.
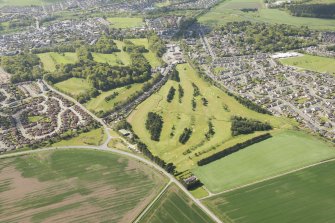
x=94, y=137
x=125, y=22
x=100, y=104
x=313, y=63
x=283, y=152
x=51, y=60
x=175, y=207
x=74, y=86
x=177, y=116
x=75, y=185
x=229, y=11
x=304, y=196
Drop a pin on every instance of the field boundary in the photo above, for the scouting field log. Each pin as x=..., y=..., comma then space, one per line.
x=269, y=178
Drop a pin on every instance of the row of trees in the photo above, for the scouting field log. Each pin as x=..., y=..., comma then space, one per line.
x=233, y=149
x=249, y=104
x=312, y=10
x=242, y=125
x=171, y=94
x=154, y=125
x=185, y=136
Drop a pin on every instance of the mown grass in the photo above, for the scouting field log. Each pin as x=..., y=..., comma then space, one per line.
x=177, y=116
x=51, y=60
x=77, y=185
x=125, y=22
x=283, y=152
x=114, y=59
x=229, y=11
x=304, y=196
x=175, y=207
x=313, y=63
x=74, y=86
x=94, y=137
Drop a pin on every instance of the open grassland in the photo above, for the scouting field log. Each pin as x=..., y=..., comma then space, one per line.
x=313, y=63
x=75, y=186
x=283, y=152
x=300, y=197
x=100, y=104
x=94, y=137
x=26, y=2
x=177, y=116
x=125, y=22
x=175, y=207
x=74, y=86
x=52, y=59
x=229, y=11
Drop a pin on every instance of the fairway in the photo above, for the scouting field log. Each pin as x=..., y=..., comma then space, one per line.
x=75, y=185
x=177, y=116
x=301, y=197
x=125, y=22
x=74, y=86
x=281, y=153
x=229, y=11
x=100, y=104
x=313, y=63
x=175, y=207
x=115, y=59
x=52, y=59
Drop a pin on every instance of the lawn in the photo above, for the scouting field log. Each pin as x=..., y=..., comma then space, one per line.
x=74, y=86
x=100, y=104
x=125, y=22
x=38, y=118
x=301, y=197
x=75, y=185
x=177, y=116
x=94, y=137
x=175, y=207
x=229, y=11
x=313, y=63
x=52, y=59
x=284, y=152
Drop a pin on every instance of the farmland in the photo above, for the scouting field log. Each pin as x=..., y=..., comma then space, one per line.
x=229, y=11
x=26, y=2
x=125, y=22
x=304, y=196
x=177, y=116
x=76, y=185
x=74, y=86
x=281, y=153
x=174, y=206
x=313, y=63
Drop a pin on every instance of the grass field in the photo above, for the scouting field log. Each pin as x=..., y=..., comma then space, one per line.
x=175, y=207
x=304, y=196
x=26, y=2
x=180, y=115
x=229, y=11
x=313, y=63
x=75, y=186
x=115, y=59
x=283, y=152
x=74, y=86
x=52, y=59
x=125, y=22
x=94, y=137
x=99, y=104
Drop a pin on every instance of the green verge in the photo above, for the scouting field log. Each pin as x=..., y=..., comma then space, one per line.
x=229, y=11
x=304, y=196
x=313, y=63
x=283, y=152
x=76, y=185
x=175, y=207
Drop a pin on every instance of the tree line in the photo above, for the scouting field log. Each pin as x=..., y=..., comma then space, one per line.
x=312, y=10
x=233, y=149
x=240, y=125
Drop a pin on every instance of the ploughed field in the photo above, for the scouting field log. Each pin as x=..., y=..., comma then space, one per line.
x=175, y=207
x=75, y=185
x=304, y=196
x=180, y=115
